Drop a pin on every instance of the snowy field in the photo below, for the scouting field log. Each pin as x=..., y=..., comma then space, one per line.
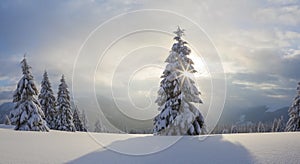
x=79, y=147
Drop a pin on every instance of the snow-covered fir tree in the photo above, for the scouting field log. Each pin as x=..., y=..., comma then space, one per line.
x=234, y=129
x=225, y=131
x=250, y=130
x=177, y=93
x=64, y=118
x=293, y=123
x=84, y=120
x=27, y=114
x=47, y=101
x=280, y=125
x=7, y=120
x=260, y=127
x=274, y=126
x=99, y=127
x=77, y=121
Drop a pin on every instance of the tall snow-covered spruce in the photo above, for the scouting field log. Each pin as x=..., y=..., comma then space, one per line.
x=293, y=123
x=47, y=101
x=27, y=114
x=64, y=118
x=77, y=121
x=178, y=115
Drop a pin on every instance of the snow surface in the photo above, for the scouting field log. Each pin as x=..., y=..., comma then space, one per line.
x=81, y=147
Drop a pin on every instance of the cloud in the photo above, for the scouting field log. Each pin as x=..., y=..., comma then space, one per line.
x=278, y=96
x=283, y=15
x=292, y=54
x=5, y=95
x=283, y=2
x=256, y=86
x=51, y=33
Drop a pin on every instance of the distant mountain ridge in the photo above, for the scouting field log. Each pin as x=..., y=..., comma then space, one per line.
x=5, y=108
x=255, y=114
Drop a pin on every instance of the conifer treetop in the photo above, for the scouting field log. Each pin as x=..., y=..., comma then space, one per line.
x=179, y=32
x=26, y=83
x=27, y=113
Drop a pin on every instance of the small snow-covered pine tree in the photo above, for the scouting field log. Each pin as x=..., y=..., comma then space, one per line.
x=178, y=116
x=293, y=123
x=260, y=127
x=84, y=119
x=77, y=121
x=64, y=118
x=7, y=120
x=99, y=127
x=225, y=131
x=234, y=129
x=47, y=101
x=280, y=125
x=250, y=130
x=274, y=126
x=27, y=114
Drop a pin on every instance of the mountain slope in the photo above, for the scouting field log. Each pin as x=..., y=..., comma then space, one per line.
x=79, y=147
x=5, y=108
x=255, y=114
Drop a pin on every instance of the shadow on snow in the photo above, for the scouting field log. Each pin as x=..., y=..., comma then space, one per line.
x=213, y=149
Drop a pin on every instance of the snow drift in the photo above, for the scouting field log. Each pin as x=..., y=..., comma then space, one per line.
x=80, y=147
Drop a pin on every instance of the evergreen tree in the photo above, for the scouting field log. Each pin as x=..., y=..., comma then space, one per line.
x=7, y=120
x=64, y=118
x=280, y=125
x=274, y=126
x=77, y=122
x=47, y=101
x=260, y=127
x=234, y=129
x=84, y=120
x=293, y=123
x=178, y=116
x=250, y=130
x=27, y=114
x=99, y=127
x=225, y=131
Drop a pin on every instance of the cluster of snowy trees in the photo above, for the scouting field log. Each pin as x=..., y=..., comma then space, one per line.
x=176, y=98
x=46, y=112
x=293, y=123
x=278, y=125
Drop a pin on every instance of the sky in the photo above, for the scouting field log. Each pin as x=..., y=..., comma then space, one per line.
x=114, y=51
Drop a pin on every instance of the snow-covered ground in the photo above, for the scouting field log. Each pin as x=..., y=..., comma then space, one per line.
x=80, y=147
